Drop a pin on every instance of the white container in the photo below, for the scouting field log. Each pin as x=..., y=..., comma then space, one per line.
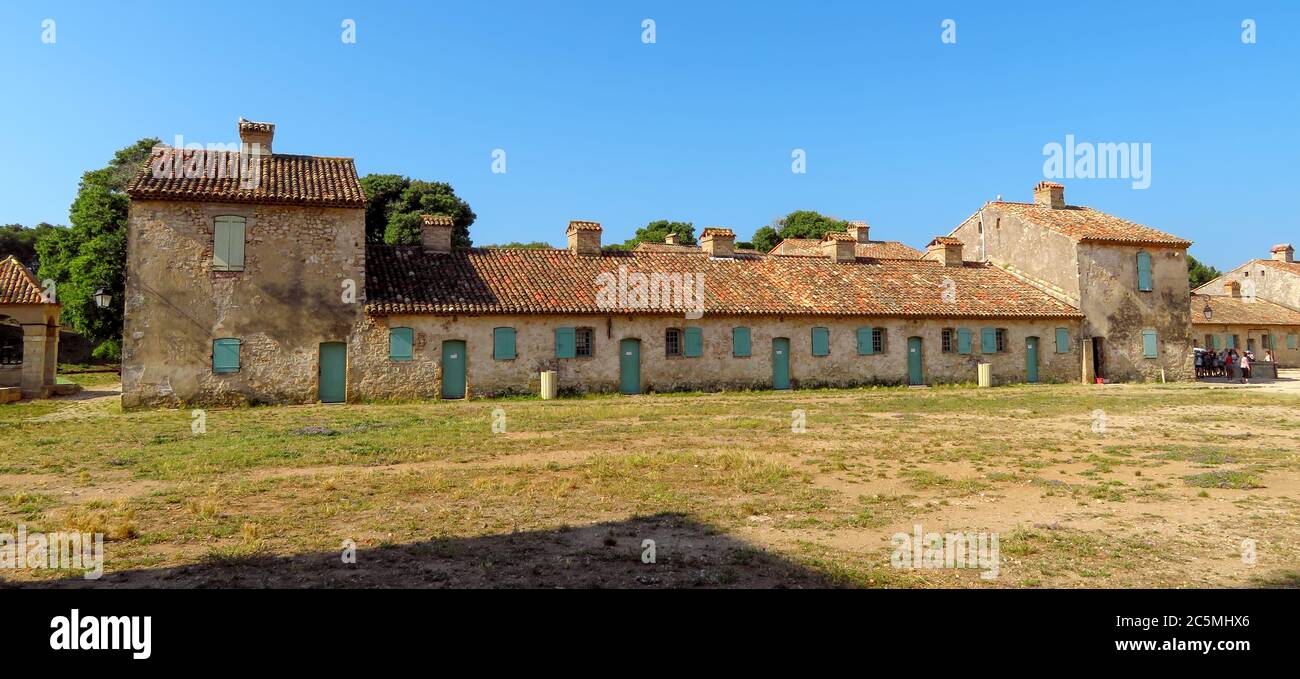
x=986, y=374
x=550, y=386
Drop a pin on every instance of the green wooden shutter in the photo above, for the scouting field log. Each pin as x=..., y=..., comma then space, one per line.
x=864, y=342
x=228, y=244
x=225, y=355
x=566, y=344
x=694, y=342
x=988, y=340
x=1149, y=344
x=1062, y=340
x=1232, y=341
x=1144, y=271
x=400, y=341
x=740, y=344
x=821, y=341
x=963, y=340
x=503, y=343
x=1290, y=342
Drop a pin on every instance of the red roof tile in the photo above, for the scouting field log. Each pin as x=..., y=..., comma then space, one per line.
x=408, y=280
x=17, y=284
x=1087, y=224
x=876, y=249
x=1227, y=310
x=282, y=179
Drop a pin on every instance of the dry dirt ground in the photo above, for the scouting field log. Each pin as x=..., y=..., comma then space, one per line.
x=1083, y=486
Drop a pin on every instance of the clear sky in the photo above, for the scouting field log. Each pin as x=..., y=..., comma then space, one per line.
x=898, y=128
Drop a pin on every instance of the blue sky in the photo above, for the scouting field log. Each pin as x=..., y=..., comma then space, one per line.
x=899, y=128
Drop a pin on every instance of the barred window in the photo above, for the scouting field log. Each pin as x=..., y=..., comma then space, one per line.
x=947, y=342
x=582, y=341
x=1001, y=339
x=877, y=340
x=673, y=342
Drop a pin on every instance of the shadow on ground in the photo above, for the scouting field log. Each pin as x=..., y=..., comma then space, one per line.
x=605, y=555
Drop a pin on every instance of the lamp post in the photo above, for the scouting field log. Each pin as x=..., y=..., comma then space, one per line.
x=102, y=298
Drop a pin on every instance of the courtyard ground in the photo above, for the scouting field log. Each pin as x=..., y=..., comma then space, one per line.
x=1085, y=486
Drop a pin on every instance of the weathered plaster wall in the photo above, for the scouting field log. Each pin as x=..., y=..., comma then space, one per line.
x=1269, y=284
x=1277, y=334
x=286, y=301
x=1116, y=310
x=1008, y=241
x=375, y=376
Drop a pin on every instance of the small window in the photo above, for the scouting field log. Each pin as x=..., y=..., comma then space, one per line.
x=228, y=244
x=821, y=342
x=1209, y=341
x=945, y=341
x=878, y=340
x=225, y=355
x=1149, y=349
x=1265, y=342
x=503, y=344
x=963, y=340
x=693, y=342
x=1062, y=340
x=1144, y=271
x=740, y=342
x=673, y=342
x=400, y=343
x=583, y=341
x=1290, y=341
x=1001, y=338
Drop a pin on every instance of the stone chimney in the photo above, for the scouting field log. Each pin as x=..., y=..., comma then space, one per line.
x=261, y=134
x=859, y=230
x=671, y=238
x=1283, y=252
x=1050, y=194
x=584, y=238
x=435, y=233
x=718, y=242
x=946, y=250
x=1232, y=288
x=840, y=247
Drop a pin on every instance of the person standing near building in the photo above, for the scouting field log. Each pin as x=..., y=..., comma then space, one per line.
x=1245, y=368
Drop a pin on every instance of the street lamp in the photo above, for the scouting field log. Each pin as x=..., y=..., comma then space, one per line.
x=1209, y=313
x=102, y=298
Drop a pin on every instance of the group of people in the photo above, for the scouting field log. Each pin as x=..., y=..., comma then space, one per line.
x=1229, y=363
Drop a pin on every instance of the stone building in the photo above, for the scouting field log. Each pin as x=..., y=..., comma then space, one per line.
x=1255, y=306
x=262, y=293
x=29, y=335
x=1128, y=280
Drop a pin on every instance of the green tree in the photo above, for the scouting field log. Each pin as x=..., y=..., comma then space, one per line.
x=394, y=204
x=1199, y=273
x=91, y=254
x=797, y=224
x=19, y=241
x=531, y=245
x=657, y=232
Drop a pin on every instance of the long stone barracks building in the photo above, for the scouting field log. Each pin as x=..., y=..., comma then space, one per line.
x=269, y=293
x=1255, y=306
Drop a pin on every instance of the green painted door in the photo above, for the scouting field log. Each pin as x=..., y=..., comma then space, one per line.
x=780, y=363
x=453, y=369
x=333, y=372
x=1031, y=359
x=914, y=373
x=629, y=366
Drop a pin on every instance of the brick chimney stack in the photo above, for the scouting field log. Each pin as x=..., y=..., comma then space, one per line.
x=1232, y=288
x=946, y=250
x=1283, y=252
x=584, y=238
x=261, y=134
x=435, y=233
x=718, y=242
x=840, y=247
x=671, y=238
x=859, y=230
x=1050, y=194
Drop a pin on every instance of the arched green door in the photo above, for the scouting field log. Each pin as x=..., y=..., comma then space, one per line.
x=453, y=369
x=915, y=375
x=780, y=363
x=333, y=387
x=629, y=366
x=1031, y=359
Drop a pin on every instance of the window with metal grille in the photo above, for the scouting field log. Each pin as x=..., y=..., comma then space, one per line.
x=1001, y=339
x=877, y=340
x=582, y=341
x=673, y=342
x=946, y=343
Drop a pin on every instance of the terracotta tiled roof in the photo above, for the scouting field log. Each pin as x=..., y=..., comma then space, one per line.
x=876, y=249
x=1281, y=247
x=1087, y=224
x=1289, y=267
x=281, y=179
x=717, y=232
x=666, y=247
x=1237, y=311
x=945, y=240
x=837, y=236
x=17, y=284
x=407, y=280
x=579, y=225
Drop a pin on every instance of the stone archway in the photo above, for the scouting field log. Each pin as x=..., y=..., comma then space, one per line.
x=22, y=302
